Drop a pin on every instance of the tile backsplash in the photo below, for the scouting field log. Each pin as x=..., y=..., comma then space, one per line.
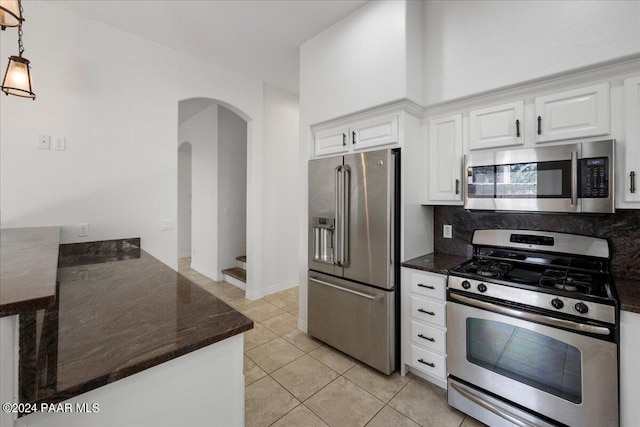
x=622, y=229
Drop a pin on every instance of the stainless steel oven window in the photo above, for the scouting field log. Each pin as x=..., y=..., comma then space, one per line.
x=526, y=356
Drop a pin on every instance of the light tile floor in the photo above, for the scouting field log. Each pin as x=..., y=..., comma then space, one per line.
x=293, y=380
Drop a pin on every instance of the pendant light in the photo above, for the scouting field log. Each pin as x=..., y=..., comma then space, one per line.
x=17, y=79
x=10, y=13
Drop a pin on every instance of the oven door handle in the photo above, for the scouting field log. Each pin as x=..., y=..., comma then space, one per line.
x=490, y=407
x=567, y=324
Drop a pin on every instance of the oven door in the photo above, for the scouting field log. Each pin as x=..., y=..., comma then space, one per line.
x=566, y=376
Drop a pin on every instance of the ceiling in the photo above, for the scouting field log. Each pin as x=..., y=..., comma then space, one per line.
x=259, y=38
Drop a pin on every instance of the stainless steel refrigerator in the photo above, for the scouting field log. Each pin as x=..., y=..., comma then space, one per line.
x=353, y=280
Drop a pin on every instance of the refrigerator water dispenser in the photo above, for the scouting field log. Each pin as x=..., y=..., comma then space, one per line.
x=323, y=239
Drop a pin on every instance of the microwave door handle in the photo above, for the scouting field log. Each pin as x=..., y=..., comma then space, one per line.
x=574, y=178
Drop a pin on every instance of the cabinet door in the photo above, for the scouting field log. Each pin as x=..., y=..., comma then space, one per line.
x=374, y=132
x=629, y=176
x=331, y=141
x=497, y=126
x=573, y=114
x=444, y=170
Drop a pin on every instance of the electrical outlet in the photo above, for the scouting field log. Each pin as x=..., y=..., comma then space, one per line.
x=83, y=229
x=59, y=143
x=447, y=231
x=44, y=142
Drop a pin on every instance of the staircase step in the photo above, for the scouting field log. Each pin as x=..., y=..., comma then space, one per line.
x=242, y=258
x=237, y=273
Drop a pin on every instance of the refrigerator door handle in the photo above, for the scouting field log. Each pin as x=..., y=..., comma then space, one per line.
x=344, y=215
x=337, y=236
x=360, y=294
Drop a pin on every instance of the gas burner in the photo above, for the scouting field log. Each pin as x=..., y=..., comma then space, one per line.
x=566, y=281
x=488, y=268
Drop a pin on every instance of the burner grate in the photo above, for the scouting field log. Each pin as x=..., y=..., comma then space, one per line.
x=567, y=281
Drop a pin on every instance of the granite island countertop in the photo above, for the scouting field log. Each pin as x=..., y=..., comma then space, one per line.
x=435, y=262
x=28, y=265
x=112, y=320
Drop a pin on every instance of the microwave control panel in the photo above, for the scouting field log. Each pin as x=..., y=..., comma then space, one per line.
x=595, y=178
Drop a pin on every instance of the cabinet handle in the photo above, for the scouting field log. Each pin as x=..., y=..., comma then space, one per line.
x=344, y=139
x=430, y=313
x=517, y=130
x=433, y=365
x=425, y=286
x=539, y=125
x=457, y=186
x=353, y=137
x=632, y=178
x=427, y=338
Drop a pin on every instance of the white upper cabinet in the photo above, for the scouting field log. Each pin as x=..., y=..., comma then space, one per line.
x=496, y=126
x=631, y=142
x=352, y=135
x=375, y=132
x=576, y=113
x=443, y=174
x=331, y=141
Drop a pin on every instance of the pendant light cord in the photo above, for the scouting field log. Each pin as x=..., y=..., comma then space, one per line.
x=20, y=46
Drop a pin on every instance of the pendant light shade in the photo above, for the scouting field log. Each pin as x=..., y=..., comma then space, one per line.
x=10, y=15
x=17, y=79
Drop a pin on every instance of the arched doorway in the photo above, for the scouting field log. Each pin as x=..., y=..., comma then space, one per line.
x=217, y=137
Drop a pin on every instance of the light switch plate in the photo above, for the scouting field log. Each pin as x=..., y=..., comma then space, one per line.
x=166, y=224
x=59, y=143
x=447, y=231
x=83, y=229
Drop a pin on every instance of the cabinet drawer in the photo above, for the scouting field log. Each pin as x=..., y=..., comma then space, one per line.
x=429, y=336
x=429, y=362
x=428, y=310
x=429, y=285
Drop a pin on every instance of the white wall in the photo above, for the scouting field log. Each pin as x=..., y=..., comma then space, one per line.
x=114, y=97
x=184, y=200
x=355, y=64
x=232, y=187
x=201, y=131
x=475, y=46
x=282, y=189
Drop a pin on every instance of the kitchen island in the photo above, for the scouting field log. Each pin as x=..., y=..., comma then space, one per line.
x=129, y=342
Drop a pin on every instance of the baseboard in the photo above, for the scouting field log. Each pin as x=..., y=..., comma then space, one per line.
x=210, y=274
x=302, y=325
x=260, y=293
x=235, y=282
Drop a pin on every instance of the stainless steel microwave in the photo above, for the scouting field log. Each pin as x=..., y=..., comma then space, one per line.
x=561, y=178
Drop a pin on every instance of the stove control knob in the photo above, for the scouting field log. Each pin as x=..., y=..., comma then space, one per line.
x=581, y=308
x=482, y=287
x=557, y=303
x=466, y=284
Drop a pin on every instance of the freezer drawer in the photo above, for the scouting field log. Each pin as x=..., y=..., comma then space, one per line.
x=356, y=319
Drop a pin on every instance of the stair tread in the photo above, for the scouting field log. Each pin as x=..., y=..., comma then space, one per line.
x=237, y=273
x=242, y=258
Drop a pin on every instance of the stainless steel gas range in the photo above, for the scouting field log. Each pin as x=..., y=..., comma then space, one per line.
x=532, y=331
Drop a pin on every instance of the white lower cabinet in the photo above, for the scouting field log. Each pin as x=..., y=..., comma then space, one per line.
x=423, y=323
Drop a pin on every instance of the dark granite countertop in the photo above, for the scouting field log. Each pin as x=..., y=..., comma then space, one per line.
x=435, y=262
x=629, y=293
x=115, y=319
x=28, y=268
x=628, y=290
